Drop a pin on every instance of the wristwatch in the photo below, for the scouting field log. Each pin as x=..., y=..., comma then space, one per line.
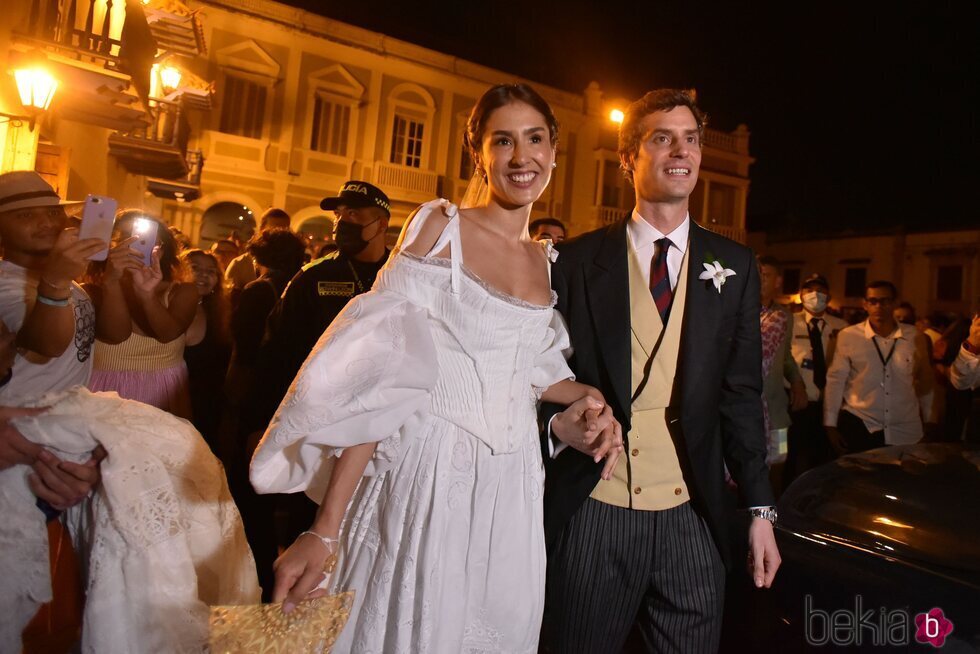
x=767, y=512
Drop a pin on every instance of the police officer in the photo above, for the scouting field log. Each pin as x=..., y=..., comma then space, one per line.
x=814, y=331
x=312, y=300
x=324, y=287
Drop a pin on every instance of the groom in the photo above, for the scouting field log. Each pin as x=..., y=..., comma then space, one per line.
x=677, y=357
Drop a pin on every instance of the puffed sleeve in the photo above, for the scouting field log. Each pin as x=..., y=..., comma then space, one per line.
x=369, y=376
x=550, y=365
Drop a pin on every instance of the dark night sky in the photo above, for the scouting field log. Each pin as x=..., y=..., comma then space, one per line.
x=861, y=116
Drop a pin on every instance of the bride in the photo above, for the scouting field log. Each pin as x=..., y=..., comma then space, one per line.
x=414, y=418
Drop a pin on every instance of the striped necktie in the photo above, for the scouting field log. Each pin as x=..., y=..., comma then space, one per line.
x=660, y=280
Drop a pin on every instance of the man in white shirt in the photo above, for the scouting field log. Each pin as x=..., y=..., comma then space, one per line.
x=964, y=374
x=814, y=331
x=880, y=379
x=54, y=321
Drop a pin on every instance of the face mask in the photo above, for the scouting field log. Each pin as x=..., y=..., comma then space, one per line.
x=349, y=237
x=814, y=301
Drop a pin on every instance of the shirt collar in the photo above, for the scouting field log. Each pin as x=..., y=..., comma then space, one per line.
x=809, y=317
x=644, y=235
x=869, y=331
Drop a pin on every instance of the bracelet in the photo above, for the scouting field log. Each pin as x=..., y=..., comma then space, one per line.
x=323, y=539
x=52, y=301
x=55, y=286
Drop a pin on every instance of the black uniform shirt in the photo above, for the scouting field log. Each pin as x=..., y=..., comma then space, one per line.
x=310, y=303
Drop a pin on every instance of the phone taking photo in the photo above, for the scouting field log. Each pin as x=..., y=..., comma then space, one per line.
x=98, y=216
x=145, y=231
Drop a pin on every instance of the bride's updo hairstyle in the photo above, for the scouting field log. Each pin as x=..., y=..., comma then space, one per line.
x=495, y=98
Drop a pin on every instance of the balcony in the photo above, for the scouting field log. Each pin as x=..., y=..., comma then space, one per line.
x=185, y=189
x=80, y=42
x=608, y=215
x=406, y=183
x=175, y=27
x=158, y=149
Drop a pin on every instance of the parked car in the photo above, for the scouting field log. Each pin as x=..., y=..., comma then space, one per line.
x=878, y=548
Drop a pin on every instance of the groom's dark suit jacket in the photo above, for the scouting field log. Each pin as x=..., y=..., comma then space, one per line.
x=716, y=407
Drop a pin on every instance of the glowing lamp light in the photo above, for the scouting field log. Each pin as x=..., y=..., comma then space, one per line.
x=617, y=116
x=170, y=78
x=36, y=87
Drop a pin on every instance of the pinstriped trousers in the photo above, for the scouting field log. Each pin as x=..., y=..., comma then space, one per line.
x=612, y=567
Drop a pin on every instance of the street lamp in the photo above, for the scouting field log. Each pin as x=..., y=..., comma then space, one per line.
x=617, y=116
x=170, y=78
x=36, y=88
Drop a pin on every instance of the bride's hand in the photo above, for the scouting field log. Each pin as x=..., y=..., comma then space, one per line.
x=301, y=568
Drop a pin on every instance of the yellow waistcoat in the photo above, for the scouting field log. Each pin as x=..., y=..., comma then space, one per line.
x=649, y=476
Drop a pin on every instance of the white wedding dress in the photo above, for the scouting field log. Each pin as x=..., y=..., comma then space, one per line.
x=443, y=542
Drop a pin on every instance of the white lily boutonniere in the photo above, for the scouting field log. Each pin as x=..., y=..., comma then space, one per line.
x=716, y=273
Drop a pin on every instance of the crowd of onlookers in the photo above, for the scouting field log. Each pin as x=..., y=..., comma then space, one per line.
x=885, y=377
x=216, y=336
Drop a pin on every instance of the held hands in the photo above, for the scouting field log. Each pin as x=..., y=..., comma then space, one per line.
x=588, y=425
x=764, y=557
x=301, y=568
x=69, y=257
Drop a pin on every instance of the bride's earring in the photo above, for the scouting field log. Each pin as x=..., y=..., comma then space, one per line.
x=554, y=164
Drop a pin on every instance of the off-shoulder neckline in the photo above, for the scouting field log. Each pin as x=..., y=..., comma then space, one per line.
x=446, y=262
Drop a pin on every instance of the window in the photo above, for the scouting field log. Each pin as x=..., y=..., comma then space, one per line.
x=243, y=107
x=791, y=281
x=612, y=190
x=406, y=142
x=855, y=280
x=949, y=283
x=331, y=126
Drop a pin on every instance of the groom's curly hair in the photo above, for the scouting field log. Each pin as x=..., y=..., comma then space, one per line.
x=630, y=132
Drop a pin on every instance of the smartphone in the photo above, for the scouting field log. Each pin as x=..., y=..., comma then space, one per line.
x=145, y=231
x=98, y=215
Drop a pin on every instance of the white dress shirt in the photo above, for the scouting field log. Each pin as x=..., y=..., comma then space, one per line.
x=803, y=352
x=964, y=374
x=885, y=397
x=643, y=235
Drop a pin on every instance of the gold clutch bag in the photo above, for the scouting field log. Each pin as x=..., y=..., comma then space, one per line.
x=313, y=626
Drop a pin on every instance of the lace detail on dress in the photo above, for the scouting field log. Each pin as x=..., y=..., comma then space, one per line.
x=444, y=262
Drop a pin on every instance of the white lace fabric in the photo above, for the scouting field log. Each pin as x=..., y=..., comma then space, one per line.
x=160, y=539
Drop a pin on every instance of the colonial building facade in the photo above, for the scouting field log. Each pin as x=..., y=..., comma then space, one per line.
x=208, y=113
x=934, y=271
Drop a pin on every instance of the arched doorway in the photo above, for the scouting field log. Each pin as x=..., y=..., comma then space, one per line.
x=225, y=219
x=316, y=231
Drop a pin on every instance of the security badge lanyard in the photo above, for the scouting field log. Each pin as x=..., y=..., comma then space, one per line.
x=881, y=357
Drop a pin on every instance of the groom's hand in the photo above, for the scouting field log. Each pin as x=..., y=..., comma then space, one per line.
x=588, y=426
x=763, y=554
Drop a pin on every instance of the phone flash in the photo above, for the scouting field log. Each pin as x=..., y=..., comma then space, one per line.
x=141, y=226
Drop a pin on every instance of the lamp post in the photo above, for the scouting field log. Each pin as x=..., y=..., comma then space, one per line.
x=170, y=78
x=36, y=88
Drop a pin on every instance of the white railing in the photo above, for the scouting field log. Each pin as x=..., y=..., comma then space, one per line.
x=720, y=140
x=608, y=215
x=393, y=178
